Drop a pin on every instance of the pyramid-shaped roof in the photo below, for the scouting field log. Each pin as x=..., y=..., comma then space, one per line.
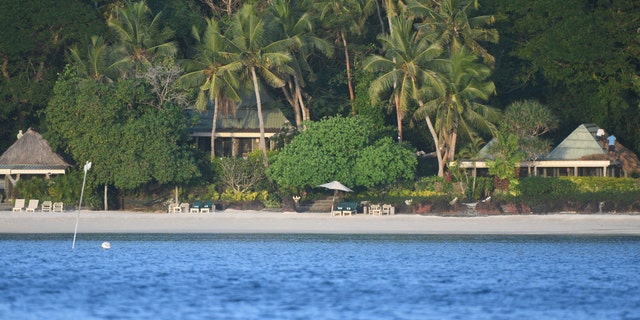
x=580, y=143
x=485, y=152
x=31, y=154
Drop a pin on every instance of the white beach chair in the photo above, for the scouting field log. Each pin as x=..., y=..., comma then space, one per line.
x=33, y=205
x=46, y=206
x=57, y=206
x=174, y=208
x=388, y=209
x=375, y=209
x=18, y=205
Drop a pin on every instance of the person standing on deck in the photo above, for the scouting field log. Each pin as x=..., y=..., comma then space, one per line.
x=612, y=144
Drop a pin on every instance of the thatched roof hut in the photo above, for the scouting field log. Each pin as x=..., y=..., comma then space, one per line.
x=31, y=154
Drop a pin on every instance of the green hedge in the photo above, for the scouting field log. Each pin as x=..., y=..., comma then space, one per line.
x=536, y=190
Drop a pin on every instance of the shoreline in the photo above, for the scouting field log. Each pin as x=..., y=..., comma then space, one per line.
x=246, y=221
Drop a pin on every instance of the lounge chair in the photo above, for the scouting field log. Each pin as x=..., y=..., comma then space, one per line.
x=174, y=208
x=195, y=208
x=33, y=205
x=207, y=207
x=57, y=206
x=347, y=208
x=46, y=206
x=388, y=209
x=18, y=205
x=375, y=209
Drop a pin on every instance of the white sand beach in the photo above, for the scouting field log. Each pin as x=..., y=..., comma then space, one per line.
x=234, y=221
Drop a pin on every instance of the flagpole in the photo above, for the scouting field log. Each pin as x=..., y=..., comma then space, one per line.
x=87, y=166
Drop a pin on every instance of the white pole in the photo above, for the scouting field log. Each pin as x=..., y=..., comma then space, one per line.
x=87, y=166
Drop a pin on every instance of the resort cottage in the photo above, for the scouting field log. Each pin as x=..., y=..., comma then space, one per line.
x=582, y=153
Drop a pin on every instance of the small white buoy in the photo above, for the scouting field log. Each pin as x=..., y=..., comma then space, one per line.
x=106, y=245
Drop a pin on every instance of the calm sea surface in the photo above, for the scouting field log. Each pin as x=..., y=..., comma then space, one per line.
x=319, y=277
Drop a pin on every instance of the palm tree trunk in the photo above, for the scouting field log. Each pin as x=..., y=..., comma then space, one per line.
x=303, y=108
x=263, y=143
x=290, y=91
x=436, y=141
x=452, y=149
x=214, y=123
x=399, y=115
x=348, y=65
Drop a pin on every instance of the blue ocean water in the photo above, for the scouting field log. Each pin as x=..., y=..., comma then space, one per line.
x=217, y=276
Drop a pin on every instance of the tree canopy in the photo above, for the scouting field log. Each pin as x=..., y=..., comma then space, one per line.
x=577, y=57
x=116, y=127
x=343, y=149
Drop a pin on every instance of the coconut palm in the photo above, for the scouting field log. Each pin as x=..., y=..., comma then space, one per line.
x=405, y=67
x=451, y=22
x=458, y=110
x=263, y=58
x=344, y=18
x=297, y=25
x=96, y=64
x=214, y=74
x=140, y=36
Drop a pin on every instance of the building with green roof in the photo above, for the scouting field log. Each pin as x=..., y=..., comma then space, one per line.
x=581, y=153
x=237, y=133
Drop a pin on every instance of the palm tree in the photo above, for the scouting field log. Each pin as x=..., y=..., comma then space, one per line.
x=297, y=25
x=215, y=75
x=458, y=110
x=345, y=17
x=454, y=28
x=405, y=67
x=140, y=37
x=96, y=64
x=263, y=59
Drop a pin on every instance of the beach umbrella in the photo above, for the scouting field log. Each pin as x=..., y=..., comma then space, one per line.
x=335, y=186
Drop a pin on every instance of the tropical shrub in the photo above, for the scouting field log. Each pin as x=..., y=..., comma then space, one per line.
x=239, y=174
x=343, y=149
x=537, y=190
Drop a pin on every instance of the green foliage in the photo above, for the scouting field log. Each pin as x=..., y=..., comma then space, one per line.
x=578, y=56
x=506, y=154
x=115, y=127
x=342, y=149
x=240, y=175
x=34, y=188
x=63, y=188
x=433, y=183
x=384, y=162
x=528, y=120
x=537, y=190
x=363, y=105
x=35, y=36
x=284, y=136
x=239, y=196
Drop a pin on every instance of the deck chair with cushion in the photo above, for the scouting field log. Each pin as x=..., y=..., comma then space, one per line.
x=46, y=206
x=195, y=208
x=18, y=205
x=33, y=205
x=207, y=207
x=347, y=208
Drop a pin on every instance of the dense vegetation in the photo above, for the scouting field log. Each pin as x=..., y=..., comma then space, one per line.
x=432, y=74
